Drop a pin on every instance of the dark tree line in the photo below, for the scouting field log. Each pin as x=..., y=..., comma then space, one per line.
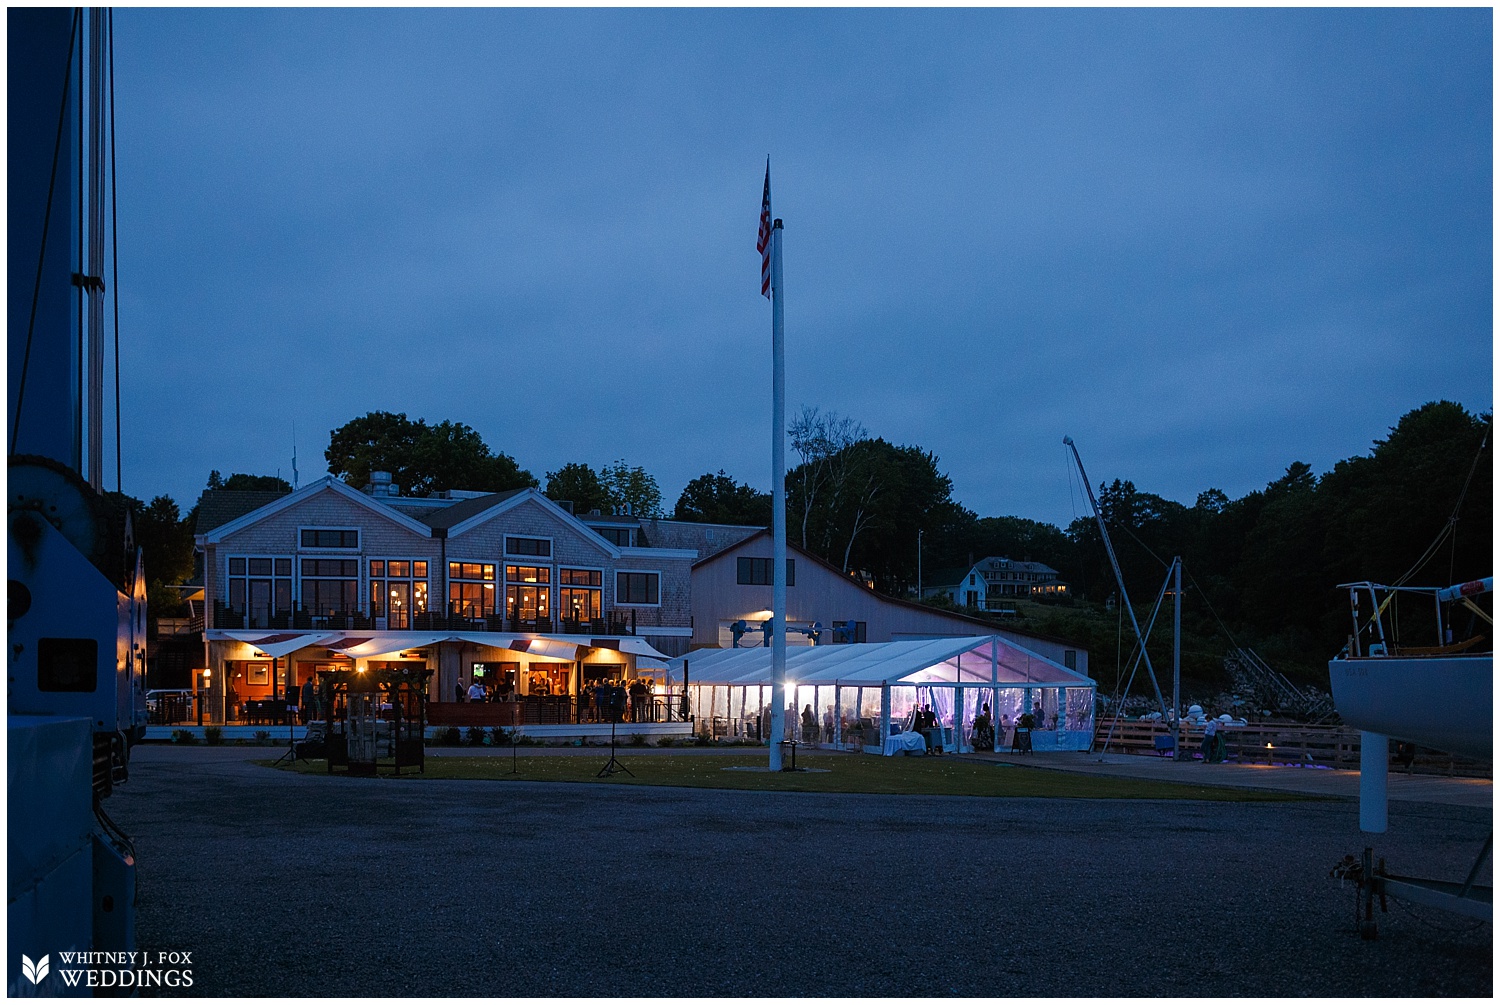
x=1266, y=563
x=1269, y=562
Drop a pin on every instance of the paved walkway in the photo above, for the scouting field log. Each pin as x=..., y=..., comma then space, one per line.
x=1476, y=792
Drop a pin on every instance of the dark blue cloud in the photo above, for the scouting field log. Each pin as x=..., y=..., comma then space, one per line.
x=1203, y=243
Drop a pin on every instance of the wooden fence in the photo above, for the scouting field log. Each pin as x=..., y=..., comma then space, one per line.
x=1279, y=743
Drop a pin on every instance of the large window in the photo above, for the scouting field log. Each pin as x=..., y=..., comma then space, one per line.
x=637, y=588
x=528, y=592
x=330, y=585
x=757, y=571
x=260, y=588
x=398, y=590
x=581, y=594
x=471, y=589
x=326, y=537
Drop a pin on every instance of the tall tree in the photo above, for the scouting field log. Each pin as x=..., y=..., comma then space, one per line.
x=581, y=485
x=717, y=498
x=248, y=483
x=822, y=441
x=632, y=490
x=420, y=458
x=165, y=540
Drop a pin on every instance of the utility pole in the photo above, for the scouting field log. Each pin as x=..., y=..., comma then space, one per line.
x=919, y=564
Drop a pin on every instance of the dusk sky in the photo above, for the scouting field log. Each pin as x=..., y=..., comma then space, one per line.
x=1205, y=244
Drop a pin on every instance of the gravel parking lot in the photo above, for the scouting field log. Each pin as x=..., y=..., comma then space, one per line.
x=290, y=885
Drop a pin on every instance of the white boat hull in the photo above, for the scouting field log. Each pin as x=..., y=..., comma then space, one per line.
x=1442, y=702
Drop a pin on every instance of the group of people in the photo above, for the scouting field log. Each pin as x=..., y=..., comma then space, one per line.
x=595, y=697
x=478, y=691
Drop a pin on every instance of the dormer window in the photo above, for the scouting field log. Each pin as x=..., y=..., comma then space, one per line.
x=538, y=546
x=330, y=537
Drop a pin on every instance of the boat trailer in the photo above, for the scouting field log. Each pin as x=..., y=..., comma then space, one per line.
x=1373, y=882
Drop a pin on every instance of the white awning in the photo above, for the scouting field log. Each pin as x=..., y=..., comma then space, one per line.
x=275, y=644
x=367, y=645
x=373, y=644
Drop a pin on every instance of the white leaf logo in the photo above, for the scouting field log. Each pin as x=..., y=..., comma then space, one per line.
x=34, y=972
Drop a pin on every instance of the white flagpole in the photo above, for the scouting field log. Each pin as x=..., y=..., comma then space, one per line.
x=778, y=506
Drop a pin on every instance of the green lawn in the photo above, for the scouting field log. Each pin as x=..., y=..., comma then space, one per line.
x=842, y=773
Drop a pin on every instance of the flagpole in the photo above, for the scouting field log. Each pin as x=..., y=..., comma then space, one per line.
x=778, y=506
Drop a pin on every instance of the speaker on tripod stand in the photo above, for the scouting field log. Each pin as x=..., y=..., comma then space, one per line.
x=614, y=708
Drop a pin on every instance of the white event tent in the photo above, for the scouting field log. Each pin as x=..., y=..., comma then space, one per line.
x=866, y=685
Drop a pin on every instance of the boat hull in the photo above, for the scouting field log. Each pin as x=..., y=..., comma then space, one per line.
x=1442, y=702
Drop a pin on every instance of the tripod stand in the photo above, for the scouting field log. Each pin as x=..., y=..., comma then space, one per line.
x=291, y=754
x=613, y=764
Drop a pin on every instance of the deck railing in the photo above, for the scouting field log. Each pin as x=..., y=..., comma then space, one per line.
x=1278, y=743
x=456, y=618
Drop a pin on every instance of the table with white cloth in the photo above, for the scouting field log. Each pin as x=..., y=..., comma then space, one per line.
x=901, y=743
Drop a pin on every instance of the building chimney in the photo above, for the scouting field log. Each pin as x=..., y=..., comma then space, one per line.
x=380, y=484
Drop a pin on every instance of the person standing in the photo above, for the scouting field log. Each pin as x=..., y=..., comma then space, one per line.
x=476, y=691
x=1210, y=739
x=458, y=690
x=309, y=695
x=984, y=730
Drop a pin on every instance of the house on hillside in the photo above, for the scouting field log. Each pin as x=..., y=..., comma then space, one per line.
x=507, y=590
x=990, y=583
x=731, y=592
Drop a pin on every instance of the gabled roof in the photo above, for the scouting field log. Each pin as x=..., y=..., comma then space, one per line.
x=464, y=509
x=328, y=483
x=217, y=507
x=704, y=538
x=1013, y=565
x=503, y=502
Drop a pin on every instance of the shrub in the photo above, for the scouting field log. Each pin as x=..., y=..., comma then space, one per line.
x=665, y=741
x=213, y=735
x=449, y=737
x=701, y=740
x=501, y=737
x=638, y=740
x=262, y=736
x=184, y=736
x=477, y=735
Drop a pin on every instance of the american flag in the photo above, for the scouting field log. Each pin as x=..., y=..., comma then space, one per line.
x=763, y=242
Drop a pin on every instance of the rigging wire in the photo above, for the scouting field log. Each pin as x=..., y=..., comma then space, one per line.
x=36, y=292
x=1451, y=526
x=114, y=236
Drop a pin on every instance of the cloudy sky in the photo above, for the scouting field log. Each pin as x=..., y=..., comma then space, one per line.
x=1203, y=244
